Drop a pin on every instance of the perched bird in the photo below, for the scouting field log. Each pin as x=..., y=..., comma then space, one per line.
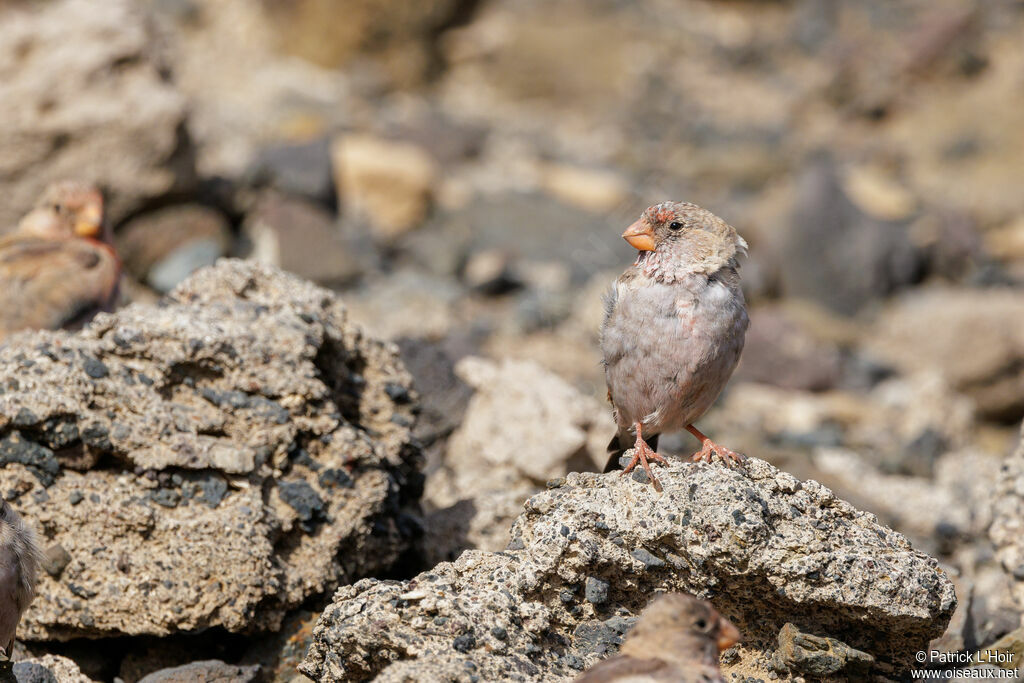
x=673, y=330
x=55, y=270
x=19, y=564
x=677, y=639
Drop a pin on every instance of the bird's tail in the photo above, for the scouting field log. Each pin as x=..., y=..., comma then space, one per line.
x=622, y=442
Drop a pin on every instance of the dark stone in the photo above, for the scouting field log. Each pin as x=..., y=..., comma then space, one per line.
x=208, y=671
x=650, y=561
x=213, y=490
x=95, y=368
x=620, y=625
x=598, y=638
x=778, y=351
x=55, y=559
x=301, y=169
x=595, y=590
x=81, y=591
x=333, y=477
x=24, y=418
x=302, y=498
x=15, y=448
x=574, y=662
x=60, y=432
x=499, y=633
x=519, y=223
x=836, y=254
x=815, y=655
x=231, y=399
x=308, y=240
x=97, y=436
x=397, y=392
x=464, y=643
x=270, y=410
x=919, y=455
x=76, y=497
x=168, y=498
x=32, y=672
x=443, y=395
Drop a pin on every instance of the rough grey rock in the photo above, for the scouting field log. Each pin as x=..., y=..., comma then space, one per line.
x=779, y=350
x=163, y=247
x=523, y=426
x=838, y=255
x=87, y=95
x=300, y=237
x=302, y=169
x=936, y=329
x=208, y=671
x=764, y=547
x=49, y=669
x=803, y=653
x=210, y=461
x=1007, y=529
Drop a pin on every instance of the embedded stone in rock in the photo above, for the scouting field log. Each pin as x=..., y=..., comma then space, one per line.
x=764, y=547
x=49, y=669
x=808, y=654
x=159, y=479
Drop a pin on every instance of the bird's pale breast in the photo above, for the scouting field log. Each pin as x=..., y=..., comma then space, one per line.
x=670, y=348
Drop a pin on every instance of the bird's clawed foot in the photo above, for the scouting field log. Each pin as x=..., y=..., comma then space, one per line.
x=643, y=454
x=709, y=448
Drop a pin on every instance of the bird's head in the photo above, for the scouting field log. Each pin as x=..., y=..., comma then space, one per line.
x=691, y=620
x=680, y=238
x=65, y=209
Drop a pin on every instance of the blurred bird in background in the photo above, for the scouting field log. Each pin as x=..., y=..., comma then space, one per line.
x=19, y=564
x=677, y=639
x=673, y=330
x=56, y=268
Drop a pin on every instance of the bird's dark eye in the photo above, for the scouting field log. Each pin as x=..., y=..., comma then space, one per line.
x=701, y=624
x=675, y=225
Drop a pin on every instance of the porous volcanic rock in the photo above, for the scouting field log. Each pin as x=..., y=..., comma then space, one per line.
x=209, y=461
x=523, y=426
x=1007, y=530
x=49, y=669
x=207, y=671
x=87, y=95
x=764, y=547
x=937, y=329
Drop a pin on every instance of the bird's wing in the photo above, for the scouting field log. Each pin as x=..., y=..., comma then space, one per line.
x=622, y=669
x=612, y=353
x=48, y=283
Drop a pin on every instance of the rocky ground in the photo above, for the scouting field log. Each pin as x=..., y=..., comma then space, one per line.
x=366, y=445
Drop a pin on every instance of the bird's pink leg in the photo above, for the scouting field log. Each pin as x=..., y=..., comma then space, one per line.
x=709, y=447
x=642, y=452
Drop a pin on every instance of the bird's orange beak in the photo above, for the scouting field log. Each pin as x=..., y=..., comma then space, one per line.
x=640, y=236
x=728, y=635
x=89, y=220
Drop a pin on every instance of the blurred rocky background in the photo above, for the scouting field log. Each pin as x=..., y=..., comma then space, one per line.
x=459, y=172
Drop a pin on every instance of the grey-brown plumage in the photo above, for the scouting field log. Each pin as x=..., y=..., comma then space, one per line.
x=677, y=639
x=19, y=564
x=673, y=331
x=54, y=269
